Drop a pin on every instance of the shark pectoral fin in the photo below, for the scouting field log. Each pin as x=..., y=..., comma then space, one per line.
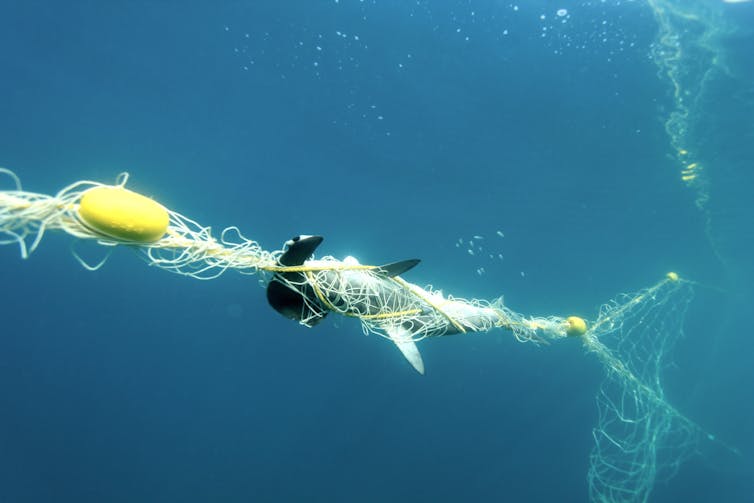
x=402, y=338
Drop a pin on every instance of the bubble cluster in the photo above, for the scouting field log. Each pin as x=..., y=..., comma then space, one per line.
x=344, y=43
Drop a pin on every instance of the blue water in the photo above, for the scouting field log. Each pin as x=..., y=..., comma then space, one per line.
x=393, y=129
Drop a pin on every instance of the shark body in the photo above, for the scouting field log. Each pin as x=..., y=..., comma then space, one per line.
x=292, y=294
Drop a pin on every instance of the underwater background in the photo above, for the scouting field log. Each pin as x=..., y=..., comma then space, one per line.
x=551, y=130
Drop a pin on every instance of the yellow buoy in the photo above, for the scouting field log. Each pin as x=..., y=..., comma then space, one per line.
x=672, y=276
x=123, y=214
x=576, y=326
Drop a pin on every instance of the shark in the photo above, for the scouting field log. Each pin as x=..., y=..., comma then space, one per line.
x=293, y=294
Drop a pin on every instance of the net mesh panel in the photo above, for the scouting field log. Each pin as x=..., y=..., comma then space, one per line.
x=639, y=438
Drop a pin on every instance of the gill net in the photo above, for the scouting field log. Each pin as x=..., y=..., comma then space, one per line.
x=639, y=438
x=688, y=56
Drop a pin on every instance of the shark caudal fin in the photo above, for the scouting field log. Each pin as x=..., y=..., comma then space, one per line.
x=299, y=249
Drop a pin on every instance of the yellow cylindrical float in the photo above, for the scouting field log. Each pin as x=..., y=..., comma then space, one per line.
x=122, y=214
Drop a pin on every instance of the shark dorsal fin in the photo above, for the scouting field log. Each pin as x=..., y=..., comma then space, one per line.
x=398, y=268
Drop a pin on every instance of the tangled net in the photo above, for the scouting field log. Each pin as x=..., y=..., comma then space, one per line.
x=345, y=287
x=381, y=303
x=187, y=248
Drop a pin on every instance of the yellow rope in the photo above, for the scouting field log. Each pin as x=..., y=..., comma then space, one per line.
x=321, y=296
x=504, y=322
x=429, y=301
x=394, y=314
x=308, y=268
x=379, y=316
